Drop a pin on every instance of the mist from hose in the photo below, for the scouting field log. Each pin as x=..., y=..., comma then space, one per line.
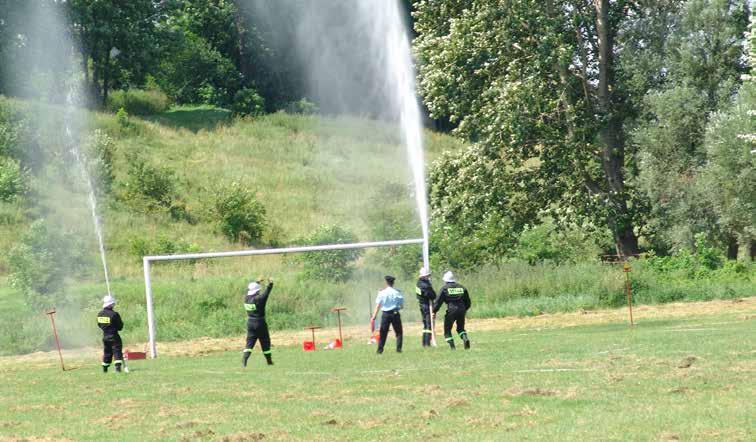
x=355, y=58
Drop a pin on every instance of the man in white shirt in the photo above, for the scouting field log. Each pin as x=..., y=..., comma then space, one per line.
x=389, y=301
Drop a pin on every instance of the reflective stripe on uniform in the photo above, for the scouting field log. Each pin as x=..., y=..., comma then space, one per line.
x=105, y=364
x=449, y=339
x=118, y=362
x=268, y=352
x=427, y=331
x=247, y=350
x=418, y=291
x=455, y=291
x=250, y=307
x=462, y=333
x=103, y=320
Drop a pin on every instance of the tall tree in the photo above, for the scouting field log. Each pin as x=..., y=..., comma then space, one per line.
x=549, y=89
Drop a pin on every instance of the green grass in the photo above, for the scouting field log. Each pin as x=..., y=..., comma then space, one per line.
x=599, y=382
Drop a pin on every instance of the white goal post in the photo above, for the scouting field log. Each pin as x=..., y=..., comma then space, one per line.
x=149, y=259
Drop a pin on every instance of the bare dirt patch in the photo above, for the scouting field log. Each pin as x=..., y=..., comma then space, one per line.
x=687, y=362
x=516, y=391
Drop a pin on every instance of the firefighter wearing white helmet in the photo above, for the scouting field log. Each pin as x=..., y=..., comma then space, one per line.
x=458, y=303
x=425, y=296
x=257, y=328
x=110, y=323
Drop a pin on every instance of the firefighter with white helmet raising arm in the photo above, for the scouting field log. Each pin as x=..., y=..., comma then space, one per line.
x=458, y=303
x=257, y=327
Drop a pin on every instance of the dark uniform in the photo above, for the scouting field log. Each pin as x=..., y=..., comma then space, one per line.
x=110, y=322
x=425, y=296
x=257, y=328
x=458, y=302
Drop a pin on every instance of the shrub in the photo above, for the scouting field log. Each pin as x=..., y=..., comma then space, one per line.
x=100, y=148
x=331, y=265
x=302, y=106
x=43, y=259
x=248, y=102
x=138, y=102
x=11, y=179
x=140, y=246
x=149, y=187
x=390, y=221
x=241, y=218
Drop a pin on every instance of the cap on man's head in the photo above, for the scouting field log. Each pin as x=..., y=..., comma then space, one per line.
x=389, y=279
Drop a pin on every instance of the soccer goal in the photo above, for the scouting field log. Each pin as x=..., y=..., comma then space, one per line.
x=148, y=260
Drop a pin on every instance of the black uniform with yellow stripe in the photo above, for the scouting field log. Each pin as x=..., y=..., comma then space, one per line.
x=458, y=302
x=425, y=296
x=257, y=328
x=110, y=322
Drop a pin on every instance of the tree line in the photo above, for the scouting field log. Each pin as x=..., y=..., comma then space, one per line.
x=627, y=116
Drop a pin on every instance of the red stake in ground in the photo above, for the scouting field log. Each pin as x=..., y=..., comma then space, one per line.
x=51, y=313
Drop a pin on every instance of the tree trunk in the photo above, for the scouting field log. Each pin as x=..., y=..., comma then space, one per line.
x=732, y=247
x=745, y=248
x=611, y=136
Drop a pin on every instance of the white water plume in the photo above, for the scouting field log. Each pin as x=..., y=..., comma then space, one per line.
x=356, y=58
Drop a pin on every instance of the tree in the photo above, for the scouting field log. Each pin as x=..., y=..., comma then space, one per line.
x=118, y=39
x=703, y=61
x=546, y=89
x=729, y=176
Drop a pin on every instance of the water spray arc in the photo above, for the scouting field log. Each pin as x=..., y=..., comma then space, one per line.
x=81, y=161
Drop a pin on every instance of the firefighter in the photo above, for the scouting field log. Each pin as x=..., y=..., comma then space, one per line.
x=389, y=301
x=458, y=302
x=257, y=328
x=110, y=322
x=425, y=296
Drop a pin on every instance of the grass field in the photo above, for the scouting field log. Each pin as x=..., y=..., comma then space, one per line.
x=684, y=372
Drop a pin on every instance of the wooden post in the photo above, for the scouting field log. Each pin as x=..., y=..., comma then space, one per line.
x=51, y=313
x=628, y=290
x=338, y=311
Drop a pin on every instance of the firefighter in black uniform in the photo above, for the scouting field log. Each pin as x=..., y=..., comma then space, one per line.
x=458, y=302
x=257, y=328
x=425, y=296
x=110, y=322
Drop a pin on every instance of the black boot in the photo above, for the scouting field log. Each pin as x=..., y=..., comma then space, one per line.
x=105, y=368
x=467, y=344
x=244, y=358
x=451, y=345
x=118, y=368
x=269, y=359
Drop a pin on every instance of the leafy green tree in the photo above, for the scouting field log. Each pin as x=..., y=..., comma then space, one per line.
x=548, y=89
x=702, y=60
x=729, y=176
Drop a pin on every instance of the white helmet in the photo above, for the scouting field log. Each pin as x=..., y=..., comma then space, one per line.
x=253, y=288
x=107, y=301
x=425, y=271
x=448, y=276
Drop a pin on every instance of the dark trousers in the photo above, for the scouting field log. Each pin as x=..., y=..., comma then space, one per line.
x=425, y=313
x=112, y=345
x=452, y=316
x=257, y=329
x=393, y=319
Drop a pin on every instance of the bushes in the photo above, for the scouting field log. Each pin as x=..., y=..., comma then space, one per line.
x=332, y=265
x=141, y=246
x=240, y=217
x=100, y=149
x=138, y=102
x=11, y=179
x=248, y=102
x=302, y=106
x=149, y=187
x=41, y=262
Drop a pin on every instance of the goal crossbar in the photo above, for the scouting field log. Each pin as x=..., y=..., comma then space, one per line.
x=147, y=260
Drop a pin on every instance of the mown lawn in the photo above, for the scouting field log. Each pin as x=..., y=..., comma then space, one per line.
x=665, y=379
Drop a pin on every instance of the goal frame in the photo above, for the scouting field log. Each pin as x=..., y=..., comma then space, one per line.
x=148, y=260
